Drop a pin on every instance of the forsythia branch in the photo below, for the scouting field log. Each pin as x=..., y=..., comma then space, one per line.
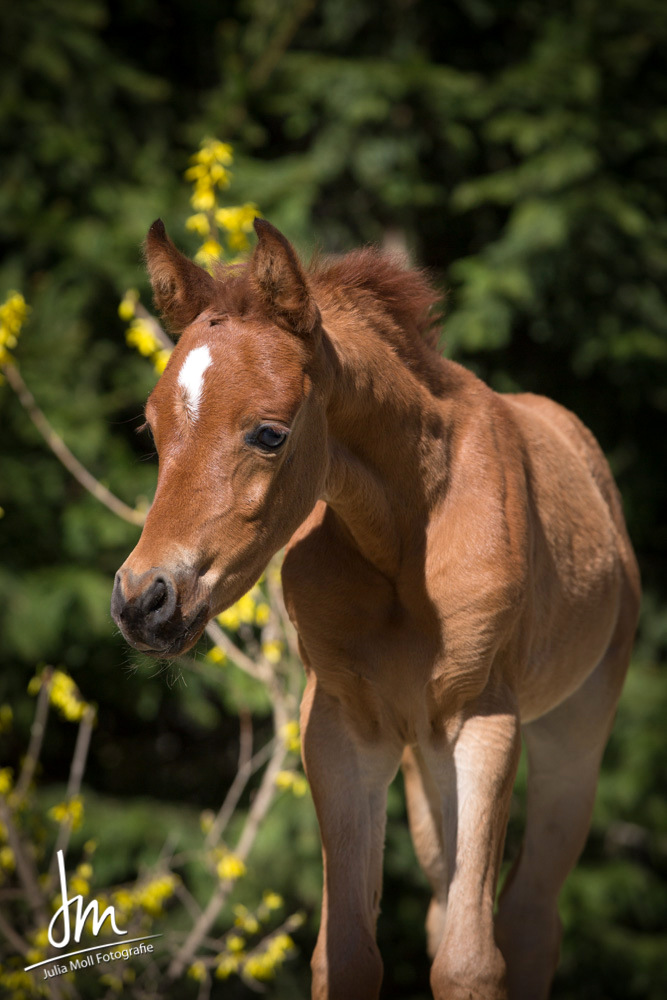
x=62, y=452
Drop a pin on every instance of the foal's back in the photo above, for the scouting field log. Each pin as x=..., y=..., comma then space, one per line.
x=583, y=573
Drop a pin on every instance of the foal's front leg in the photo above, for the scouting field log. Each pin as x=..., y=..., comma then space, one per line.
x=485, y=745
x=349, y=777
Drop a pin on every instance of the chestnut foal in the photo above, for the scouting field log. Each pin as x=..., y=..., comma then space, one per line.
x=457, y=569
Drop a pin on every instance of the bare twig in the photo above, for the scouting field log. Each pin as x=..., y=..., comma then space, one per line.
x=261, y=671
x=241, y=778
x=25, y=867
x=62, y=452
x=277, y=601
x=188, y=900
x=260, y=806
x=14, y=939
x=74, y=782
x=37, y=731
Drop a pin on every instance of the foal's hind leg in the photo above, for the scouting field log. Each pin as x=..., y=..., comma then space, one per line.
x=564, y=752
x=428, y=832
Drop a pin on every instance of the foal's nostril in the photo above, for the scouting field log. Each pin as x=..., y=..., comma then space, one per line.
x=159, y=601
x=156, y=596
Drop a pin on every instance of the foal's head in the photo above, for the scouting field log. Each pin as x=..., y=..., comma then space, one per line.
x=239, y=425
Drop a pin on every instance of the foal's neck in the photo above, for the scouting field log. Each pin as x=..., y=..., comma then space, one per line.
x=389, y=439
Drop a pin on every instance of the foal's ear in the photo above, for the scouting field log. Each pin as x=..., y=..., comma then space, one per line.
x=181, y=289
x=280, y=281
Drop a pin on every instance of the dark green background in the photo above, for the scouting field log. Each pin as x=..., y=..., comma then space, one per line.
x=519, y=151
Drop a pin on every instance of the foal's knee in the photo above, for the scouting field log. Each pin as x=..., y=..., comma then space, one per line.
x=353, y=974
x=461, y=977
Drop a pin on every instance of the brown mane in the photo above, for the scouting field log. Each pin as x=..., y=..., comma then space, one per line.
x=405, y=293
x=401, y=301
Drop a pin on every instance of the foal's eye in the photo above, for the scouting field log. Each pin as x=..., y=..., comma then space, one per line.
x=269, y=438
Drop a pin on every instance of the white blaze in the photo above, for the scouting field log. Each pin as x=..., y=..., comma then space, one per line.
x=191, y=377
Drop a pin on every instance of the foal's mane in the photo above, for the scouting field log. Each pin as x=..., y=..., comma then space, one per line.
x=406, y=294
x=397, y=302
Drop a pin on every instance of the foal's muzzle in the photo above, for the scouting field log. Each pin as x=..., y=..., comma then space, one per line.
x=149, y=612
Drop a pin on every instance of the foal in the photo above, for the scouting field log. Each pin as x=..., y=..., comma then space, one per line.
x=457, y=568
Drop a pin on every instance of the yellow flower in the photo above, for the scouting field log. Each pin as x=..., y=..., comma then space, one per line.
x=68, y=812
x=230, y=619
x=123, y=900
x=196, y=173
x=127, y=306
x=141, y=336
x=40, y=938
x=34, y=684
x=66, y=697
x=160, y=359
x=291, y=737
x=7, y=862
x=197, y=971
x=18, y=984
x=6, y=780
x=152, y=896
x=261, y=967
x=227, y=966
x=238, y=217
x=216, y=655
x=281, y=946
x=230, y=867
x=235, y=943
x=80, y=886
x=13, y=313
x=272, y=900
x=203, y=199
x=218, y=175
x=272, y=650
x=238, y=242
x=220, y=151
x=210, y=249
x=246, y=608
x=262, y=614
x=245, y=920
x=208, y=172
x=296, y=783
x=299, y=786
x=199, y=223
